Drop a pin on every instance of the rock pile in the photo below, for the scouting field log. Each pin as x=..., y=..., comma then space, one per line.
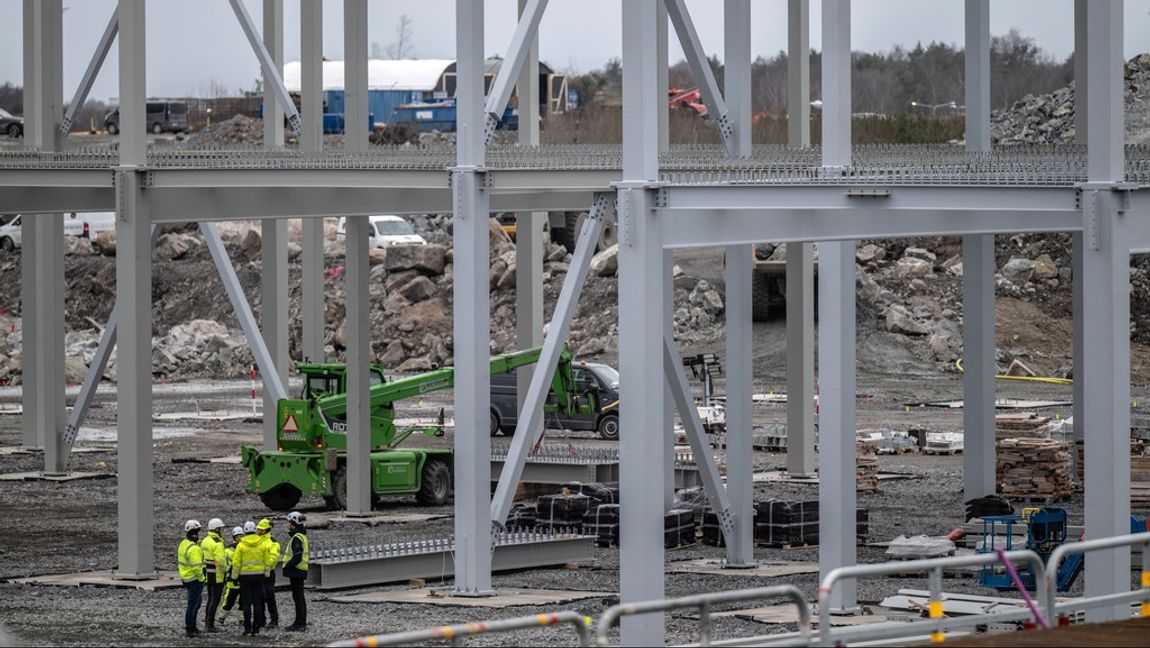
x=1049, y=118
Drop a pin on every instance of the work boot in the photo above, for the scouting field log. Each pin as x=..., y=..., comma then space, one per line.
x=211, y=628
x=274, y=624
x=192, y=632
x=296, y=627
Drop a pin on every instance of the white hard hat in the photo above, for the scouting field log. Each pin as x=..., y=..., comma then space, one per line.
x=237, y=531
x=215, y=523
x=191, y=525
x=295, y=517
x=249, y=527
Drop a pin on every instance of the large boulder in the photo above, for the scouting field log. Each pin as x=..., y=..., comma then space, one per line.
x=174, y=245
x=418, y=289
x=78, y=246
x=920, y=253
x=106, y=242
x=870, y=252
x=426, y=258
x=606, y=263
x=1044, y=268
x=1018, y=271
x=911, y=267
x=899, y=320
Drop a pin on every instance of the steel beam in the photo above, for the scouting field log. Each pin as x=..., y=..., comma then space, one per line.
x=311, y=139
x=529, y=246
x=837, y=478
x=524, y=41
x=701, y=71
x=798, y=73
x=641, y=311
x=529, y=427
x=1104, y=367
x=361, y=566
x=94, y=65
x=978, y=276
x=472, y=328
x=271, y=66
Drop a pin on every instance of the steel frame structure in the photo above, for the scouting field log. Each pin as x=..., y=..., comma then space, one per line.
x=666, y=198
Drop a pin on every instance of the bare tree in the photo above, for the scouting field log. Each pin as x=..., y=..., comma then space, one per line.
x=377, y=51
x=403, y=47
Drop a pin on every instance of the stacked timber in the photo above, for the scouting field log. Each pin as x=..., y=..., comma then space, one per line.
x=866, y=466
x=1140, y=482
x=1034, y=468
x=1026, y=425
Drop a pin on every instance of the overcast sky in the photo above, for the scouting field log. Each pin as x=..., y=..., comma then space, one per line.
x=193, y=43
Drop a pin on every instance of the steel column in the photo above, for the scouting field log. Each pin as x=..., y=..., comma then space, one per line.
x=663, y=84
x=837, y=479
x=134, y=296
x=800, y=335
x=357, y=269
x=738, y=276
x=29, y=326
x=668, y=398
x=312, y=307
x=47, y=247
x=799, y=72
x=800, y=304
x=273, y=247
x=978, y=277
x=1081, y=56
x=529, y=247
x=642, y=309
x=1104, y=366
x=472, y=328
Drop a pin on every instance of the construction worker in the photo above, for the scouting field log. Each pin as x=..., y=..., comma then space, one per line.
x=214, y=561
x=231, y=584
x=190, y=557
x=264, y=528
x=249, y=566
x=295, y=568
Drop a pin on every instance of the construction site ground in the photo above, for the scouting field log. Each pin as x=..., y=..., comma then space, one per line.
x=69, y=527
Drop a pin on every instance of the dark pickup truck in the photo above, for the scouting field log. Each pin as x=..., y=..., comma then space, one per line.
x=598, y=382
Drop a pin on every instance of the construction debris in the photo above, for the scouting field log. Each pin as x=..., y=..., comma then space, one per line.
x=866, y=466
x=1023, y=425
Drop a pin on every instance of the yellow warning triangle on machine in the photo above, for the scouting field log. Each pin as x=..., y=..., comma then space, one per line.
x=290, y=425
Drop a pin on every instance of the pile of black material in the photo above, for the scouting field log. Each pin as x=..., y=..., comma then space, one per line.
x=989, y=505
x=862, y=526
x=678, y=528
x=522, y=516
x=562, y=510
x=599, y=492
x=779, y=522
x=693, y=499
x=713, y=531
x=602, y=521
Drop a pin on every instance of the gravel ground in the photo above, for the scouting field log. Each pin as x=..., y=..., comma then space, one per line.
x=55, y=528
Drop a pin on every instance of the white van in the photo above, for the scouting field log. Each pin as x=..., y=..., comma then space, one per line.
x=386, y=231
x=84, y=224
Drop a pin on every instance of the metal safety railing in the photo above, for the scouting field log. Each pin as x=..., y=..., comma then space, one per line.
x=1054, y=608
x=937, y=625
x=456, y=633
x=704, y=603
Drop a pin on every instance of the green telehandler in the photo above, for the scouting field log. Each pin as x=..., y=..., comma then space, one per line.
x=311, y=442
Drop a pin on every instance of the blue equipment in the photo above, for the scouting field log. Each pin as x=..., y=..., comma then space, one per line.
x=1045, y=531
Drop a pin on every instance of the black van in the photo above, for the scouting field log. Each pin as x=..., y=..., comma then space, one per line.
x=599, y=382
x=163, y=116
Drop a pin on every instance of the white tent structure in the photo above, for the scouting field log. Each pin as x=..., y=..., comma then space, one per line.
x=407, y=74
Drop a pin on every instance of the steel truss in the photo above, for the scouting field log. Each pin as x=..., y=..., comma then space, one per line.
x=667, y=198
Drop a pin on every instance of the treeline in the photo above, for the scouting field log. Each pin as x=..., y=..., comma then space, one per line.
x=883, y=83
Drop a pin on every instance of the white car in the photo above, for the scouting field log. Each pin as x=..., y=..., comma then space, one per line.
x=82, y=224
x=386, y=231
